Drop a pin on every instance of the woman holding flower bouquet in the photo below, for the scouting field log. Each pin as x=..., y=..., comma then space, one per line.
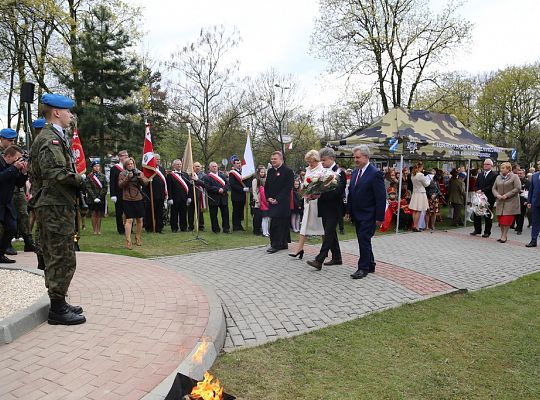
x=311, y=222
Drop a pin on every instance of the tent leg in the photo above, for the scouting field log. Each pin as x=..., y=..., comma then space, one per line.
x=467, y=194
x=399, y=192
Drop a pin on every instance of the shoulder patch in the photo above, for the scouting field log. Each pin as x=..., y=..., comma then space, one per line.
x=55, y=141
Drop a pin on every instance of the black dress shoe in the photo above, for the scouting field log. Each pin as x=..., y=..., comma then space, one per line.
x=359, y=274
x=5, y=260
x=518, y=232
x=486, y=235
x=531, y=244
x=300, y=254
x=10, y=251
x=475, y=233
x=334, y=262
x=272, y=250
x=315, y=264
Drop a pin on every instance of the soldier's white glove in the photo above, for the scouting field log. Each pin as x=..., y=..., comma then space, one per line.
x=97, y=201
x=188, y=201
x=113, y=198
x=83, y=176
x=170, y=202
x=246, y=189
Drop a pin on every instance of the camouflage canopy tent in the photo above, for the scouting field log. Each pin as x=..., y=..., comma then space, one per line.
x=421, y=135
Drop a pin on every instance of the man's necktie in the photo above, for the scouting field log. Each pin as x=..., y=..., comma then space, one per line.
x=358, y=176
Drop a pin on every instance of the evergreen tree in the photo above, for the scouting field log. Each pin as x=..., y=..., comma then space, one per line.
x=108, y=77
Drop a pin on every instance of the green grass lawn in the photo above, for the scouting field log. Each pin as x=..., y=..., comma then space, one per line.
x=481, y=345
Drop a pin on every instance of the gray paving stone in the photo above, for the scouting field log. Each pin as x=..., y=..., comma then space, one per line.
x=266, y=296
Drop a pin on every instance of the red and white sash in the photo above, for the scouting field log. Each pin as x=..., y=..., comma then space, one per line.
x=96, y=181
x=236, y=175
x=158, y=173
x=180, y=180
x=119, y=167
x=217, y=178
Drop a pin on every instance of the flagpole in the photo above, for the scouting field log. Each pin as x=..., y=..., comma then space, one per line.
x=152, y=203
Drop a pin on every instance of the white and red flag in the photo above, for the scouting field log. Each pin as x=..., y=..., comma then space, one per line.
x=78, y=153
x=248, y=164
x=149, y=163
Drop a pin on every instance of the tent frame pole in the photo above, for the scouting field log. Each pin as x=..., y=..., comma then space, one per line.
x=399, y=192
x=467, y=193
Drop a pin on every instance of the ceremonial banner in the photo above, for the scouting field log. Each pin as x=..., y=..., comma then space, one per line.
x=149, y=163
x=78, y=153
x=248, y=165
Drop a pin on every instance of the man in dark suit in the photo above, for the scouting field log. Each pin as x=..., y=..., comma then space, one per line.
x=217, y=187
x=278, y=187
x=533, y=202
x=116, y=192
x=239, y=188
x=484, y=184
x=330, y=209
x=365, y=206
x=159, y=192
x=13, y=172
x=179, y=189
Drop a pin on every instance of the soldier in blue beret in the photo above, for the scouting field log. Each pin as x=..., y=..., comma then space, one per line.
x=8, y=133
x=54, y=188
x=39, y=123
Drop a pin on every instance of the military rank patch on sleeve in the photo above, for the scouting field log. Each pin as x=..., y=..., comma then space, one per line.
x=56, y=142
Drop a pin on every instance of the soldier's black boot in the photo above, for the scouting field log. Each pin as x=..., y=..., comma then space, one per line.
x=40, y=262
x=61, y=314
x=29, y=245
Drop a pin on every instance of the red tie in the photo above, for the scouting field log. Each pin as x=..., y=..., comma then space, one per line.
x=358, y=176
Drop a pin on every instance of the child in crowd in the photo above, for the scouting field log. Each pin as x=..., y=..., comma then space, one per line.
x=297, y=204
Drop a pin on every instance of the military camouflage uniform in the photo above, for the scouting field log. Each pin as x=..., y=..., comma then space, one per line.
x=55, y=182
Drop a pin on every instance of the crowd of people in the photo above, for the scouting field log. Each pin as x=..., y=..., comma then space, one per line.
x=279, y=200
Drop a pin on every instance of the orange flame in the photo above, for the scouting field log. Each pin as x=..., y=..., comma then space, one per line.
x=197, y=357
x=207, y=390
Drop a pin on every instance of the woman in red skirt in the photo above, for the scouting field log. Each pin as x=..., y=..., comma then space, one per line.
x=506, y=190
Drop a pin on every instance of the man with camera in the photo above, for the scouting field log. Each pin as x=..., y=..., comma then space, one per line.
x=55, y=185
x=13, y=173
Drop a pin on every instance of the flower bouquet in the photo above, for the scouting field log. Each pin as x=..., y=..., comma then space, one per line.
x=319, y=183
x=480, y=205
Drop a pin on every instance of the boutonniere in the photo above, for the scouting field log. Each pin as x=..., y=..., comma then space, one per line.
x=278, y=174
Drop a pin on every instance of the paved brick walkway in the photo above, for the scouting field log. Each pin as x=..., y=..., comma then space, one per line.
x=143, y=320
x=268, y=296
x=144, y=316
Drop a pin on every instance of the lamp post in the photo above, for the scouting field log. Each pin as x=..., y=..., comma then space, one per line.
x=282, y=120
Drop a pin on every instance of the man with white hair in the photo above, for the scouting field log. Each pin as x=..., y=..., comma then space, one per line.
x=484, y=184
x=365, y=206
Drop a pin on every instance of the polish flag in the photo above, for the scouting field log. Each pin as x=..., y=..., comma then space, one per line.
x=248, y=165
x=149, y=163
x=78, y=153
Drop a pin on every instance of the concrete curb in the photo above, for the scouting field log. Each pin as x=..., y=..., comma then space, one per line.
x=27, y=319
x=214, y=336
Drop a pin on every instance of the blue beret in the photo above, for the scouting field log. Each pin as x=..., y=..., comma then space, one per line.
x=39, y=123
x=57, y=100
x=234, y=158
x=95, y=162
x=462, y=175
x=8, y=133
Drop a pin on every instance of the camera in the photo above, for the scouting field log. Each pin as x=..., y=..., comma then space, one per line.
x=136, y=172
x=24, y=157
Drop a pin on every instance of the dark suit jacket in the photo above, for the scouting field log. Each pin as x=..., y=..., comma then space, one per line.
x=330, y=204
x=367, y=199
x=278, y=185
x=212, y=187
x=9, y=178
x=486, y=185
x=534, y=190
x=237, y=188
x=113, y=183
x=176, y=190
